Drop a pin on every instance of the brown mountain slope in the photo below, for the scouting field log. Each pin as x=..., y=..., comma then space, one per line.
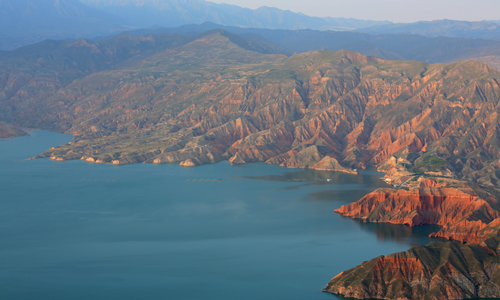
x=210, y=100
x=462, y=214
x=466, y=213
x=9, y=132
x=436, y=271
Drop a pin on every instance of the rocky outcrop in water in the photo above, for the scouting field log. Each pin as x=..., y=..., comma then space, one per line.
x=461, y=213
x=437, y=271
x=451, y=270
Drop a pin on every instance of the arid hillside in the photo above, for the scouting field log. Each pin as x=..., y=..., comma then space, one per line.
x=215, y=96
x=9, y=132
x=438, y=271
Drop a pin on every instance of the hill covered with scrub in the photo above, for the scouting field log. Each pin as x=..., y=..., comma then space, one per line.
x=217, y=96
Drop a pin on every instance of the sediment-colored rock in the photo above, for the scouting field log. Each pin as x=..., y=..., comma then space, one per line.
x=433, y=183
x=461, y=213
x=438, y=271
x=57, y=158
x=468, y=231
x=246, y=106
x=329, y=163
x=10, y=132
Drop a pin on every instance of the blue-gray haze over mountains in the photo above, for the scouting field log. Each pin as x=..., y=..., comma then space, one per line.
x=171, y=13
x=386, y=46
x=24, y=22
x=451, y=28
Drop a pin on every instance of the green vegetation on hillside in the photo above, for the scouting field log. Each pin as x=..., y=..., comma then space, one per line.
x=428, y=164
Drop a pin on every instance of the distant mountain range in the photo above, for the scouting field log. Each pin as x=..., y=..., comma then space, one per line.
x=386, y=46
x=171, y=13
x=450, y=28
x=24, y=22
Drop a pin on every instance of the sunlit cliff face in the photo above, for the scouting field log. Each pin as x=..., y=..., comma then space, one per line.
x=463, y=215
x=206, y=100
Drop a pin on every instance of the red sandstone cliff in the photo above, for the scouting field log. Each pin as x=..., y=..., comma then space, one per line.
x=245, y=106
x=438, y=271
x=461, y=213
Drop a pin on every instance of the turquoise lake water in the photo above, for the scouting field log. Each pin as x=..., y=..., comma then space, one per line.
x=76, y=230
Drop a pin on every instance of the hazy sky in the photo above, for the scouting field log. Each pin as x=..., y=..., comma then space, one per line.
x=392, y=10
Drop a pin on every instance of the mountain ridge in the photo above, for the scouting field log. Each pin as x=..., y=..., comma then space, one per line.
x=27, y=21
x=449, y=28
x=437, y=271
x=177, y=12
x=391, y=46
x=288, y=104
x=466, y=213
x=10, y=132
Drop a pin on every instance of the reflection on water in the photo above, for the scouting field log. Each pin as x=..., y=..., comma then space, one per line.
x=348, y=188
x=307, y=175
x=346, y=194
x=316, y=177
x=398, y=233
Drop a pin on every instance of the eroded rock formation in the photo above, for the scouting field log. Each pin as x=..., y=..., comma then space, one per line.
x=460, y=212
x=450, y=270
x=204, y=99
x=133, y=99
x=437, y=271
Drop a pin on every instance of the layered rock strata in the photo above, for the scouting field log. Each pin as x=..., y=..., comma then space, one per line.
x=159, y=98
x=438, y=271
x=447, y=270
x=461, y=213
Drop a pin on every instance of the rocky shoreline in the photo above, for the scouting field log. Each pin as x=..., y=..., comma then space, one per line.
x=7, y=131
x=438, y=271
x=309, y=158
x=466, y=267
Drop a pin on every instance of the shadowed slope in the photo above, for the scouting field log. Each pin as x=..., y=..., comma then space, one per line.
x=436, y=271
x=9, y=132
x=208, y=99
x=386, y=46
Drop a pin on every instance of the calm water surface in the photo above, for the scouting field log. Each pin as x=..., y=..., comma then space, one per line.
x=75, y=230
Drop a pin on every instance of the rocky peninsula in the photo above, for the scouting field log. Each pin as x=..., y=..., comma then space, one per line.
x=437, y=271
x=466, y=267
x=10, y=132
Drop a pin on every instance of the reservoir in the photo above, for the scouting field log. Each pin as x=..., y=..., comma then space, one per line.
x=77, y=230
